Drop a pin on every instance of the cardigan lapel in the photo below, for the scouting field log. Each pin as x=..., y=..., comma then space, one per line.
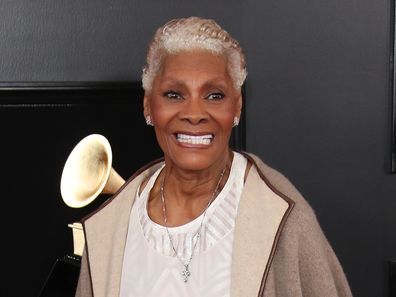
x=260, y=205
x=254, y=247
x=106, y=231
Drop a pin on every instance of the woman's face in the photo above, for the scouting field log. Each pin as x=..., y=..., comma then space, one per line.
x=192, y=105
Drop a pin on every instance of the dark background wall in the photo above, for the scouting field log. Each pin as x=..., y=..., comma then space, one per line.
x=317, y=94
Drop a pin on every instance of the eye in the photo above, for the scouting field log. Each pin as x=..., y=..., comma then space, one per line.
x=215, y=96
x=173, y=95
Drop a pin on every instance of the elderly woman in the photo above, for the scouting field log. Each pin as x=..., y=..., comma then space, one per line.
x=205, y=221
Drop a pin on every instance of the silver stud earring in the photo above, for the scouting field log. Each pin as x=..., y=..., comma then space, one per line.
x=235, y=122
x=149, y=122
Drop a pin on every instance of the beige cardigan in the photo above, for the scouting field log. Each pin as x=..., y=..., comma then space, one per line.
x=279, y=249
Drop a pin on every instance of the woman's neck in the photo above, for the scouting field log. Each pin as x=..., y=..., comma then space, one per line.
x=187, y=193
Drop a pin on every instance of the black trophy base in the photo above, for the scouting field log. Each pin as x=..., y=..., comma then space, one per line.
x=63, y=278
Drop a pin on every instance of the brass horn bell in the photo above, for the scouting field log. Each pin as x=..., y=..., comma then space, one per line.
x=88, y=172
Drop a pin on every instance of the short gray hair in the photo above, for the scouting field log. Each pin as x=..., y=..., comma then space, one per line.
x=193, y=33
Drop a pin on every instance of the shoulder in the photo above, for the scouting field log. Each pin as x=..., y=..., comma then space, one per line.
x=301, y=226
x=304, y=260
x=280, y=184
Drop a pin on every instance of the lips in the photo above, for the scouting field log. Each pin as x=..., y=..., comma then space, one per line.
x=205, y=139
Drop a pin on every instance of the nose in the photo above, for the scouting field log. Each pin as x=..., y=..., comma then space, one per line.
x=194, y=111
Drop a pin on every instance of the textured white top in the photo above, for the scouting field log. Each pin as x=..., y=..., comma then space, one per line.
x=150, y=266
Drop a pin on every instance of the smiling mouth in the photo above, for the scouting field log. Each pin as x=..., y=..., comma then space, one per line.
x=195, y=139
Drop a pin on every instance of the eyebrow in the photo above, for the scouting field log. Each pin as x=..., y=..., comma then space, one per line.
x=218, y=82
x=173, y=81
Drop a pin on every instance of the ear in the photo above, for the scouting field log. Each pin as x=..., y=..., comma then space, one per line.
x=238, y=109
x=146, y=106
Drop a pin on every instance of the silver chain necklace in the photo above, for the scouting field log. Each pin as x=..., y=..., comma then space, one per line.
x=186, y=272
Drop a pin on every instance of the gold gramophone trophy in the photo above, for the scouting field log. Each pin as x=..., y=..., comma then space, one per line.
x=86, y=174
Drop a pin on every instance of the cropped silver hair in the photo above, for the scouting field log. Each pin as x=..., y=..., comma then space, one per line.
x=193, y=33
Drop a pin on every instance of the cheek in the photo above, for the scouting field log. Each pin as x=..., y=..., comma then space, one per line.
x=225, y=118
x=226, y=123
x=162, y=117
x=163, y=139
x=161, y=124
x=161, y=114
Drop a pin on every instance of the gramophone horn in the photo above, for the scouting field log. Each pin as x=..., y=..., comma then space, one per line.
x=88, y=172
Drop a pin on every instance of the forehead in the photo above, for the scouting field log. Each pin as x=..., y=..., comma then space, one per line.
x=194, y=64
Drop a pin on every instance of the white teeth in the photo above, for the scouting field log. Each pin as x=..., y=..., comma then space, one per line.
x=191, y=139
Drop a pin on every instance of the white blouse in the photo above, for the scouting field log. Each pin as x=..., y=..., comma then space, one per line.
x=151, y=267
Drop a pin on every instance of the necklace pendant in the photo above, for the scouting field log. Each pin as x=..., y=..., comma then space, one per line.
x=186, y=273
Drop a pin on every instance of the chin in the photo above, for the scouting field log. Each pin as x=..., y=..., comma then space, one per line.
x=196, y=161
